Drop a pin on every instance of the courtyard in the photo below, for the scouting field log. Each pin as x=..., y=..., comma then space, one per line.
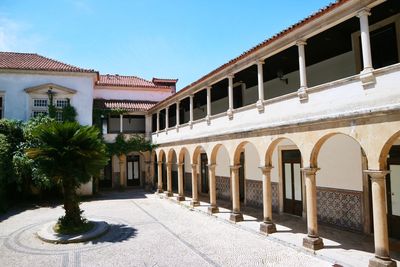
x=146, y=230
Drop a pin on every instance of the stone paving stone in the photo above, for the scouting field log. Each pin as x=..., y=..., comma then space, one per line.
x=145, y=231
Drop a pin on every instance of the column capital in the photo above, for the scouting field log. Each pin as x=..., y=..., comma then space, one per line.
x=377, y=174
x=208, y=87
x=266, y=169
x=166, y=108
x=230, y=76
x=301, y=42
x=169, y=164
x=260, y=61
x=178, y=102
x=180, y=164
x=235, y=167
x=364, y=12
x=194, y=166
x=159, y=162
x=191, y=95
x=211, y=166
x=309, y=170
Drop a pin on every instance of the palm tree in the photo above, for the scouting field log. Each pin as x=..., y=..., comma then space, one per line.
x=70, y=154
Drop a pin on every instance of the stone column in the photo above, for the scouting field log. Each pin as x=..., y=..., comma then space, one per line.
x=236, y=215
x=208, y=117
x=121, y=124
x=166, y=118
x=181, y=193
x=191, y=110
x=158, y=121
x=195, y=193
x=169, y=180
x=159, y=181
x=366, y=76
x=230, y=97
x=302, y=93
x=267, y=226
x=122, y=172
x=177, y=115
x=260, y=75
x=312, y=241
x=382, y=257
x=213, y=192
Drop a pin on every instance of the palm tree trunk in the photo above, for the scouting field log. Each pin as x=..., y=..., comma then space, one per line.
x=71, y=205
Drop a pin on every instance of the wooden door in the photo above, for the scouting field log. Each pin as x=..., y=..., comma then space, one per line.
x=133, y=170
x=292, y=182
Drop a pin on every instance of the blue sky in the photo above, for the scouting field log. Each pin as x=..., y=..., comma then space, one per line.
x=182, y=39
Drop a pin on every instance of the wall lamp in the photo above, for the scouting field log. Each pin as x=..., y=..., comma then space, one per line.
x=279, y=74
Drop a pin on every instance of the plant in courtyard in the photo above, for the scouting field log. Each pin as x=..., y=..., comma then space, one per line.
x=70, y=154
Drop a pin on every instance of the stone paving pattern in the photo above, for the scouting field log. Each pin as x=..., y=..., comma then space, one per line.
x=145, y=231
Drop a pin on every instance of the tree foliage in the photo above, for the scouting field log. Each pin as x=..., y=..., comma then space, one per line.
x=69, y=154
x=124, y=146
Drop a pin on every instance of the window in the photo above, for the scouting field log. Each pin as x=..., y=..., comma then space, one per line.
x=40, y=103
x=1, y=107
x=61, y=103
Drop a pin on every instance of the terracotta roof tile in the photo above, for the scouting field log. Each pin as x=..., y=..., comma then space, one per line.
x=28, y=61
x=129, y=105
x=263, y=44
x=126, y=81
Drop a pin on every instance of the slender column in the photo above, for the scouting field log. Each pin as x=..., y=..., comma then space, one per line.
x=190, y=110
x=366, y=76
x=159, y=181
x=260, y=75
x=236, y=215
x=195, y=193
x=208, y=118
x=177, y=115
x=382, y=257
x=365, y=40
x=166, y=118
x=267, y=226
x=158, y=121
x=230, y=96
x=121, y=126
x=302, y=93
x=213, y=192
x=312, y=241
x=122, y=171
x=169, y=180
x=181, y=194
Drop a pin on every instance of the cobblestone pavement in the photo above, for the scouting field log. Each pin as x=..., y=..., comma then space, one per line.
x=145, y=231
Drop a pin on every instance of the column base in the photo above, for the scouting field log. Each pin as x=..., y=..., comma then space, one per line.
x=194, y=203
x=229, y=112
x=378, y=262
x=168, y=194
x=212, y=209
x=180, y=198
x=314, y=243
x=367, y=77
x=260, y=106
x=236, y=217
x=159, y=191
x=267, y=227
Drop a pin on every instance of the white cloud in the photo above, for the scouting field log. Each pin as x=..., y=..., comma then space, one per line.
x=15, y=36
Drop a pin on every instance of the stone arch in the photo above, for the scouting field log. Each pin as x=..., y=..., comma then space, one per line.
x=182, y=153
x=199, y=149
x=319, y=144
x=214, y=153
x=161, y=155
x=385, y=150
x=240, y=148
x=272, y=146
x=171, y=153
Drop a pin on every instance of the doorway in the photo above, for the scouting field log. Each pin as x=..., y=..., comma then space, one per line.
x=204, y=173
x=393, y=192
x=241, y=178
x=292, y=182
x=105, y=180
x=133, y=170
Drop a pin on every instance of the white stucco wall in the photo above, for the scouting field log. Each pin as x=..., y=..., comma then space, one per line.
x=222, y=168
x=17, y=101
x=340, y=160
x=252, y=163
x=149, y=94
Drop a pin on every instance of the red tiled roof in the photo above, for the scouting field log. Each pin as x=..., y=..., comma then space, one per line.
x=263, y=44
x=28, y=61
x=129, y=105
x=162, y=80
x=126, y=81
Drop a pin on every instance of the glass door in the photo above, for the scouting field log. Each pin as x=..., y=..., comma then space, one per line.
x=292, y=181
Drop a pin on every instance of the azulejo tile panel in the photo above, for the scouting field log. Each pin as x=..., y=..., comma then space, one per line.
x=223, y=187
x=254, y=194
x=339, y=207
